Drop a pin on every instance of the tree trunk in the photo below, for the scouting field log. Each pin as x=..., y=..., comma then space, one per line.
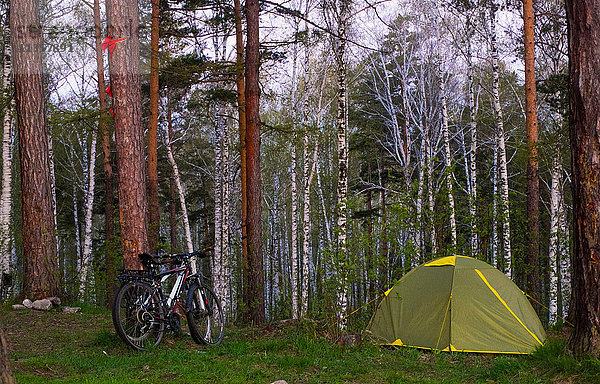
x=504, y=207
x=123, y=23
x=307, y=223
x=109, y=252
x=448, y=159
x=473, y=156
x=153, y=208
x=179, y=186
x=554, y=252
x=294, y=230
x=342, y=147
x=241, y=107
x=6, y=375
x=7, y=157
x=256, y=291
x=583, y=19
x=38, y=228
x=87, y=278
x=532, y=236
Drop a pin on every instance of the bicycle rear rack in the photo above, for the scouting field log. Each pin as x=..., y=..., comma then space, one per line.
x=134, y=275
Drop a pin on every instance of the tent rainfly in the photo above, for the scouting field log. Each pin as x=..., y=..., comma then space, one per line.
x=457, y=303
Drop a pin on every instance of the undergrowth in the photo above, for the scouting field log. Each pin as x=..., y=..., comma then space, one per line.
x=84, y=348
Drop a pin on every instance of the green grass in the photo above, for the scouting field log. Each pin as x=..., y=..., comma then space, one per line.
x=83, y=348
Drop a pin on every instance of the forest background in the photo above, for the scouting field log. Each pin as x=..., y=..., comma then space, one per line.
x=392, y=133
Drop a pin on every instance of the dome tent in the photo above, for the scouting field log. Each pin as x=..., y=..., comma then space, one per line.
x=457, y=303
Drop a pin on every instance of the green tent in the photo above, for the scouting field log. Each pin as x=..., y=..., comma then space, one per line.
x=457, y=303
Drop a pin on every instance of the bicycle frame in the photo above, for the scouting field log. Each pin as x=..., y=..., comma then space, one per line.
x=183, y=274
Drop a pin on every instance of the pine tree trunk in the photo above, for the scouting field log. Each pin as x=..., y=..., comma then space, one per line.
x=241, y=107
x=111, y=269
x=123, y=23
x=6, y=375
x=7, y=158
x=532, y=236
x=504, y=207
x=38, y=227
x=87, y=278
x=256, y=302
x=583, y=19
x=153, y=208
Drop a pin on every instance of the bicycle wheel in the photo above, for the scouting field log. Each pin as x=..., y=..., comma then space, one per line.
x=137, y=316
x=204, y=315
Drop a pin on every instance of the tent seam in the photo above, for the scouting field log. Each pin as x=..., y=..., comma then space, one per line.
x=506, y=305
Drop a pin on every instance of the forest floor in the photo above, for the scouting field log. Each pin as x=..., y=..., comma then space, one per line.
x=55, y=347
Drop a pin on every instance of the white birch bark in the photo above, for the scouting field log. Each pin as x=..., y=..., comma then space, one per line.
x=294, y=232
x=342, y=141
x=565, y=260
x=307, y=222
x=554, y=252
x=86, y=261
x=181, y=194
x=504, y=203
x=448, y=159
x=7, y=155
x=77, y=228
x=473, y=156
x=446, y=134
x=218, y=247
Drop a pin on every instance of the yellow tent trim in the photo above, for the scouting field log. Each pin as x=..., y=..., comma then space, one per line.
x=450, y=260
x=444, y=322
x=450, y=348
x=506, y=305
x=388, y=291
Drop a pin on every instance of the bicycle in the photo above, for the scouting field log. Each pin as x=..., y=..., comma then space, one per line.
x=141, y=313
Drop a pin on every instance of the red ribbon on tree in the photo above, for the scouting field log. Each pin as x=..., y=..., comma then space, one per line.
x=110, y=43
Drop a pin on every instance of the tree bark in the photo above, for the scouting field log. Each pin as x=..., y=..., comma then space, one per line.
x=294, y=230
x=153, y=208
x=87, y=278
x=180, y=192
x=103, y=123
x=6, y=375
x=504, y=204
x=38, y=228
x=123, y=23
x=7, y=157
x=532, y=236
x=342, y=147
x=256, y=294
x=241, y=107
x=583, y=19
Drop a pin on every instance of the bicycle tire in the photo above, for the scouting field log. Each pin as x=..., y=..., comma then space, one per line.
x=206, y=322
x=139, y=327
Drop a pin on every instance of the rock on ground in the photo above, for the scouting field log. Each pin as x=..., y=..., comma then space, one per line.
x=280, y=382
x=42, y=305
x=54, y=300
x=27, y=303
x=19, y=306
x=71, y=309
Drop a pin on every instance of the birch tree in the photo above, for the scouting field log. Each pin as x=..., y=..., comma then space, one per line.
x=501, y=145
x=7, y=156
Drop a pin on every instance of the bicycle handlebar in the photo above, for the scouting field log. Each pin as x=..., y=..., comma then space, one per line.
x=161, y=259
